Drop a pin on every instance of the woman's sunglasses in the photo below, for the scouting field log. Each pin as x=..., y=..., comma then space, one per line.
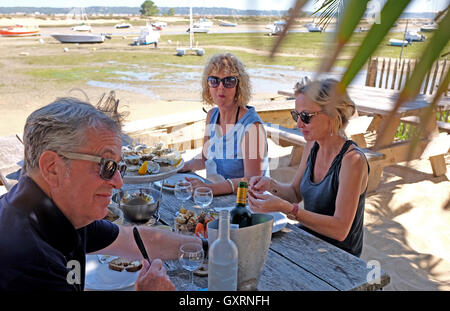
x=304, y=116
x=108, y=167
x=228, y=82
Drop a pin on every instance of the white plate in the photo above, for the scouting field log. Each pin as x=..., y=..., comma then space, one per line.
x=135, y=178
x=279, y=219
x=101, y=277
x=172, y=180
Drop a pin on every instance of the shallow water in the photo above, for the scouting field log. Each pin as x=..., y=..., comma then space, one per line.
x=264, y=79
x=124, y=87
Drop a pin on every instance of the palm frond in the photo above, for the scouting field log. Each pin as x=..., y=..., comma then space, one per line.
x=389, y=14
x=352, y=15
x=428, y=116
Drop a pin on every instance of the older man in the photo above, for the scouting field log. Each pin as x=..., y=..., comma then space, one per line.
x=53, y=216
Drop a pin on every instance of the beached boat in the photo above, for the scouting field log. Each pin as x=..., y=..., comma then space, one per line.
x=20, y=31
x=277, y=28
x=197, y=50
x=227, y=24
x=413, y=36
x=202, y=26
x=396, y=42
x=122, y=25
x=147, y=36
x=159, y=25
x=83, y=27
x=80, y=38
x=313, y=27
x=428, y=27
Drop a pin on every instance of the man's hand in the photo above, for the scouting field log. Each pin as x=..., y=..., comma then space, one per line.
x=153, y=277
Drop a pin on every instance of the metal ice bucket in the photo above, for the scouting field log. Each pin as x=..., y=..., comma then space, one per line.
x=253, y=244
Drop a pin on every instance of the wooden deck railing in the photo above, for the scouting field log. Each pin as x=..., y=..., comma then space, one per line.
x=392, y=73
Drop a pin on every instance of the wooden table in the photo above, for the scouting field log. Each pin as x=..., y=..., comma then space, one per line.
x=379, y=103
x=296, y=259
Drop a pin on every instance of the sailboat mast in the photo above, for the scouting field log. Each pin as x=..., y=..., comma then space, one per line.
x=404, y=35
x=191, y=32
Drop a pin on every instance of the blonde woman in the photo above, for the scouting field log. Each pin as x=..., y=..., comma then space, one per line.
x=332, y=176
x=235, y=144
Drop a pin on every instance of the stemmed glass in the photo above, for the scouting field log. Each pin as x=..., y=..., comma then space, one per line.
x=203, y=196
x=183, y=191
x=191, y=257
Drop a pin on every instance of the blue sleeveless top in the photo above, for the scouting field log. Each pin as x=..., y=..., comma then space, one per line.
x=225, y=155
x=321, y=198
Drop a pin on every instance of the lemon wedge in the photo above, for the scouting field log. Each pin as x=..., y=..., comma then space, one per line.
x=143, y=169
x=177, y=162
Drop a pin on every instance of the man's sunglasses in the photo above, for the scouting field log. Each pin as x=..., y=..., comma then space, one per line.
x=108, y=167
x=304, y=116
x=228, y=82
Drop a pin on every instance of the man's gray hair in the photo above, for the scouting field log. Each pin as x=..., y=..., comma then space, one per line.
x=61, y=126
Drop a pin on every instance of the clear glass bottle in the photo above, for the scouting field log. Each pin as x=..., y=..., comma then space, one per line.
x=223, y=258
x=240, y=214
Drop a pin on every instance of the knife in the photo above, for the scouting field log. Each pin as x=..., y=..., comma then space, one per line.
x=140, y=244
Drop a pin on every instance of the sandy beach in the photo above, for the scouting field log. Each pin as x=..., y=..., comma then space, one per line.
x=407, y=219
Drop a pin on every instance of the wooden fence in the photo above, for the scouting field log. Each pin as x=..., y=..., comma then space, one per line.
x=392, y=73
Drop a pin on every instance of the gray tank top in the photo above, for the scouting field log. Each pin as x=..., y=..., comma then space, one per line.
x=321, y=198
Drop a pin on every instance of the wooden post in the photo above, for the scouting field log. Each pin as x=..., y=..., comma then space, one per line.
x=380, y=84
x=372, y=73
x=436, y=69
x=394, y=76
x=427, y=79
x=401, y=76
x=388, y=71
x=408, y=70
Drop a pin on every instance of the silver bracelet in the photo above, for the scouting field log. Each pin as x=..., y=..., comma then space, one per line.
x=231, y=184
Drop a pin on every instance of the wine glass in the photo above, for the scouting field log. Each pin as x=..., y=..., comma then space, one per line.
x=183, y=191
x=191, y=257
x=203, y=196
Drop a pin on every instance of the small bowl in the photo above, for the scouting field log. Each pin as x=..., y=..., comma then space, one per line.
x=139, y=212
x=115, y=214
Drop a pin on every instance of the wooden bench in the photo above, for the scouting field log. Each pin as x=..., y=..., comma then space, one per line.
x=11, y=156
x=293, y=137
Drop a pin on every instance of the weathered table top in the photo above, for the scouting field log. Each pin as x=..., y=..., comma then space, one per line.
x=296, y=259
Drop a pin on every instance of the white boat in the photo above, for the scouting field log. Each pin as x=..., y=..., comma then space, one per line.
x=159, y=25
x=147, y=36
x=20, y=31
x=202, y=26
x=276, y=28
x=81, y=18
x=413, y=36
x=80, y=38
x=428, y=27
x=313, y=27
x=82, y=28
x=396, y=42
x=122, y=25
x=227, y=24
x=197, y=50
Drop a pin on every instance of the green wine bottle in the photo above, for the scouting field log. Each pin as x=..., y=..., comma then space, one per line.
x=240, y=214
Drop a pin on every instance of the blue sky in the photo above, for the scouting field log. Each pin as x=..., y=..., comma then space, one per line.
x=415, y=6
